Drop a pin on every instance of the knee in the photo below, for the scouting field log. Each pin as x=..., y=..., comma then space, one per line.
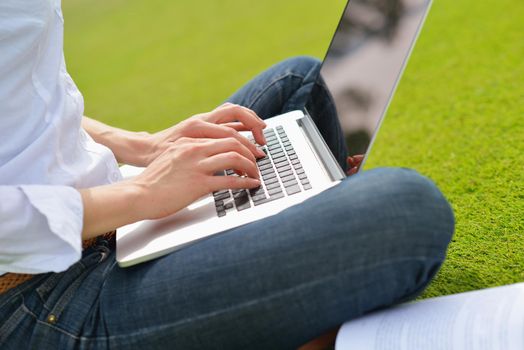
x=409, y=224
x=410, y=206
x=305, y=66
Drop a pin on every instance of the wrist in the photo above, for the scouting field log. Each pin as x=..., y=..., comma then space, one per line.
x=135, y=148
x=137, y=196
x=108, y=207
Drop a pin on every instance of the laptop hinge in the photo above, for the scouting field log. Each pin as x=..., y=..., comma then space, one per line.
x=320, y=147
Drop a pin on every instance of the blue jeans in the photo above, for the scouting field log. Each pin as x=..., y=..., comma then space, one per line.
x=374, y=240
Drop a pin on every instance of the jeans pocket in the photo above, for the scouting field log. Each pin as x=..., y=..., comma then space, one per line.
x=56, y=291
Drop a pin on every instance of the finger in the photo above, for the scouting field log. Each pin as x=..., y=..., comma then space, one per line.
x=215, y=131
x=230, y=160
x=217, y=146
x=353, y=171
x=358, y=158
x=350, y=162
x=236, y=126
x=236, y=113
x=224, y=105
x=232, y=182
x=250, y=111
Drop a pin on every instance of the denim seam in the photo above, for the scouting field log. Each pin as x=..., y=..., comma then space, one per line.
x=11, y=323
x=276, y=80
x=214, y=313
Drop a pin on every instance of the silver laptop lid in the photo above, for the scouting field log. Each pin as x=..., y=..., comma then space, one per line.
x=365, y=61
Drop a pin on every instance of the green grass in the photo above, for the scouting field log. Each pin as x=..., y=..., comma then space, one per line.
x=146, y=64
x=457, y=117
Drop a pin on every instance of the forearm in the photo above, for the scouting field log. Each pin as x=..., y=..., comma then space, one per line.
x=127, y=146
x=111, y=206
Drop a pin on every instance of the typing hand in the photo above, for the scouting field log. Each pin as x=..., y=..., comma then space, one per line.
x=185, y=170
x=223, y=122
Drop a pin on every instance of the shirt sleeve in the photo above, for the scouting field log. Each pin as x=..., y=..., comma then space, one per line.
x=40, y=228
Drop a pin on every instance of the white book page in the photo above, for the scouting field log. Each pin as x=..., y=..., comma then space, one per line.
x=489, y=319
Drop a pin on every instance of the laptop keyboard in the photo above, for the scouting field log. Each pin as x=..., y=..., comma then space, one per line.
x=281, y=174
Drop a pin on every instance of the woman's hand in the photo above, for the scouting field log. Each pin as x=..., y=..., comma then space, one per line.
x=141, y=148
x=185, y=170
x=180, y=175
x=354, y=163
x=224, y=122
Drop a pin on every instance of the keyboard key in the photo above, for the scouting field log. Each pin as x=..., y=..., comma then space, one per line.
x=276, y=196
x=216, y=193
x=274, y=191
x=267, y=171
x=255, y=191
x=280, y=160
x=283, y=174
x=222, y=196
x=271, y=181
x=228, y=205
x=300, y=171
x=242, y=202
x=302, y=176
x=277, y=153
x=292, y=152
x=273, y=185
x=292, y=189
x=283, y=167
x=288, y=178
x=291, y=183
x=279, y=156
x=265, y=166
x=294, y=161
x=307, y=186
x=221, y=213
x=240, y=194
x=269, y=175
x=219, y=203
x=258, y=197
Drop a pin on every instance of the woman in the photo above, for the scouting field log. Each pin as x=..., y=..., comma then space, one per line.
x=375, y=239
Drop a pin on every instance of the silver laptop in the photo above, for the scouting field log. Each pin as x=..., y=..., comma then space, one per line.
x=361, y=69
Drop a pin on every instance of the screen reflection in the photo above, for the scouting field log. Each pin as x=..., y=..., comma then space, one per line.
x=364, y=61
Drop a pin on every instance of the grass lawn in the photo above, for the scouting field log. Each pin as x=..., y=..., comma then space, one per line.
x=457, y=117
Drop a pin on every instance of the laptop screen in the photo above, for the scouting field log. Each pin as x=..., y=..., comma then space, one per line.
x=365, y=60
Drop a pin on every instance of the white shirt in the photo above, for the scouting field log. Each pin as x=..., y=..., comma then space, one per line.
x=45, y=155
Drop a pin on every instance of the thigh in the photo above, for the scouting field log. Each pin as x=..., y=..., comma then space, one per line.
x=375, y=239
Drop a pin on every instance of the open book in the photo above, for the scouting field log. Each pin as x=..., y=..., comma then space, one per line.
x=489, y=319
